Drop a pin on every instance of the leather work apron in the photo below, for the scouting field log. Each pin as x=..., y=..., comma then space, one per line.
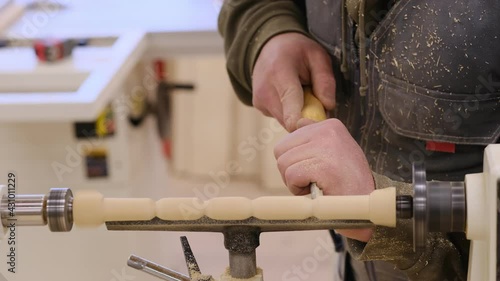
x=433, y=91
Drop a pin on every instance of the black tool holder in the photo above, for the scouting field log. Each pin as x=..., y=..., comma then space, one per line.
x=160, y=107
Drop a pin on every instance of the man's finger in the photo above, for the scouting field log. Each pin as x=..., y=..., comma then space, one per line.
x=297, y=138
x=291, y=96
x=289, y=142
x=304, y=122
x=322, y=79
x=275, y=109
x=292, y=156
x=296, y=180
x=266, y=100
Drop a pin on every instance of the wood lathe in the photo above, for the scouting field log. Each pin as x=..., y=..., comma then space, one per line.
x=469, y=206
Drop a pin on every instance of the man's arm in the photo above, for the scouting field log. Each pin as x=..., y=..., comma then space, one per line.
x=246, y=26
x=270, y=57
x=326, y=154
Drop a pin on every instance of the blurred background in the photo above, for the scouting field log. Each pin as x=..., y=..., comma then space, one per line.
x=132, y=98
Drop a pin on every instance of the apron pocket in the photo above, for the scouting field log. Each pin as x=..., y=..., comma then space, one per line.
x=431, y=115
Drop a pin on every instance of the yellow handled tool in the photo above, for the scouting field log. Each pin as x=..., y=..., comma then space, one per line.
x=313, y=109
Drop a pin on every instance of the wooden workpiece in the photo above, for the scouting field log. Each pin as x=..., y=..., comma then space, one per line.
x=229, y=208
x=118, y=209
x=90, y=209
x=379, y=207
x=180, y=208
x=282, y=208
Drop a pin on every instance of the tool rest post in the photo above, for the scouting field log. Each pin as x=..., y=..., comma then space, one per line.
x=241, y=243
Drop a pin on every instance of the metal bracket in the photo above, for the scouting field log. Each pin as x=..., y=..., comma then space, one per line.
x=168, y=274
x=192, y=265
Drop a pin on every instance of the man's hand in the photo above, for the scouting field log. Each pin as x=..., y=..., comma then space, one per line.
x=285, y=63
x=325, y=153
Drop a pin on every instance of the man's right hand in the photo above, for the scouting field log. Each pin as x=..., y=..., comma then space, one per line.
x=285, y=63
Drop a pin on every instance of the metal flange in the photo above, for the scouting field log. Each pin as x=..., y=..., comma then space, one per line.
x=420, y=210
x=60, y=209
x=438, y=206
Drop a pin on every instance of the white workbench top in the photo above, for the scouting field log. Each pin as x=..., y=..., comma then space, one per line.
x=173, y=26
x=167, y=26
x=96, y=17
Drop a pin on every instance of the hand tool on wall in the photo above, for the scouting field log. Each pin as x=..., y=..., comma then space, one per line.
x=161, y=106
